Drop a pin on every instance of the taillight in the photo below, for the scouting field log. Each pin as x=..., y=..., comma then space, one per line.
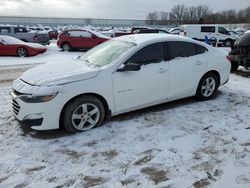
x=229, y=58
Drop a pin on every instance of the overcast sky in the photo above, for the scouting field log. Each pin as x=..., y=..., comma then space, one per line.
x=126, y=9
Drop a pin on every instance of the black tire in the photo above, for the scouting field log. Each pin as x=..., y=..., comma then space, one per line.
x=203, y=87
x=22, y=52
x=82, y=117
x=234, y=66
x=66, y=47
x=228, y=43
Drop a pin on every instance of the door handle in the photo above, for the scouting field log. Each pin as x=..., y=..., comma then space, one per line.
x=198, y=63
x=162, y=70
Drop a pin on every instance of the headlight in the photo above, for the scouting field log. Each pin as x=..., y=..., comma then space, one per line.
x=37, y=99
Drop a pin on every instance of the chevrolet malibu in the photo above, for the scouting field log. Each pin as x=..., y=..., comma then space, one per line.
x=121, y=75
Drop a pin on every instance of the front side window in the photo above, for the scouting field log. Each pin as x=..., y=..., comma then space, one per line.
x=153, y=53
x=223, y=31
x=207, y=29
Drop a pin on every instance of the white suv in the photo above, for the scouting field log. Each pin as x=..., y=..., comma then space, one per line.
x=121, y=75
x=212, y=32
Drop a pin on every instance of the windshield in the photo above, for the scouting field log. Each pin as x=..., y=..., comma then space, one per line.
x=11, y=40
x=106, y=52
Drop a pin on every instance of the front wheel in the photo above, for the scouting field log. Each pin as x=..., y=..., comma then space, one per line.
x=82, y=114
x=207, y=87
x=22, y=52
x=234, y=66
x=66, y=47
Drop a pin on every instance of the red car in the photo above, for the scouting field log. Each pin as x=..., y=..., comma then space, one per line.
x=79, y=39
x=53, y=34
x=10, y=46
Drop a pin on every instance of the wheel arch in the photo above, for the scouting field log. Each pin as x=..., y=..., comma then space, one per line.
x=98, y=96
x=65, y=42
x=216, y=73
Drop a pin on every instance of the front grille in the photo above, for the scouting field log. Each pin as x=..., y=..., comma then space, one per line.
x=15, y=106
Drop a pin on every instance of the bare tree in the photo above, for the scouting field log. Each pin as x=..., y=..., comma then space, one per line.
x=164, y=18
x=192, y=13
x=202, y=11
x=177, y=13
x=152, y=18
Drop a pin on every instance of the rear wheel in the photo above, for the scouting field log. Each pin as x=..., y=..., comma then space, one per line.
x=22, y=52
x=82, y=114
x=207, y=87
x=234, y=66
x=228, y=43
x=66, y=47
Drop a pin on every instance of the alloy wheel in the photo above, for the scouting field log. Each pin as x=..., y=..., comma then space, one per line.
x=208, y=87
x=85, y=116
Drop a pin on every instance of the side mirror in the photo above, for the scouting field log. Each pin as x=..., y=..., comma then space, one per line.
x=1, y=43
x=93, y=36
x=130, y=67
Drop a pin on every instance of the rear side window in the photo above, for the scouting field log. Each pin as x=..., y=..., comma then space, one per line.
x=207, y=29
x=20, y=30
x=80, y=34
x=4, y=30
x=153, y=53
x=180, y=49
x=200, y=49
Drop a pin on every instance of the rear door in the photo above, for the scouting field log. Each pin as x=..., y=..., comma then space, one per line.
x=187, y=63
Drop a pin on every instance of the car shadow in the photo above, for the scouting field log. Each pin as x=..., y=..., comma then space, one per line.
x=58, y=133
x=242, y=72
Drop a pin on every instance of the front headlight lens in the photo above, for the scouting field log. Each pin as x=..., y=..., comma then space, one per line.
x=37, y=99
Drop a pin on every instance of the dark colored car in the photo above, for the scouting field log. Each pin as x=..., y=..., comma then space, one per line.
x=143, y=31
x=132, y=31
x=240, y=53
x=79, y=39
x=53, y=34
x=10, y=46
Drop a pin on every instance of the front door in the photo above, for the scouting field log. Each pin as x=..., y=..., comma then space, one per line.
x=149, y=85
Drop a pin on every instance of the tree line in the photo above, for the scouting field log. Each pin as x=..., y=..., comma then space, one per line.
x=201, y=14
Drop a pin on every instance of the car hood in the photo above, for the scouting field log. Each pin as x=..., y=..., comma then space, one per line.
x=35, y=45
x=59, y=73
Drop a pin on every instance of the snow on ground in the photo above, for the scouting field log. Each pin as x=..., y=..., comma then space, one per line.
x=52, y=54
x=176, y=145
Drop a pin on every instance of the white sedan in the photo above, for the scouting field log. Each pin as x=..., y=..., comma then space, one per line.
x=121, y=75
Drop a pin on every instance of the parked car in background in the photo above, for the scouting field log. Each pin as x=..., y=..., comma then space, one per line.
x=80, y=39
x=144, y=31
x=23, y=34
x=240, y=53
x=129, y=32
x=121, y=75
x=10, y=46
x=53, y=34
x=175, y=31
x=214, y=33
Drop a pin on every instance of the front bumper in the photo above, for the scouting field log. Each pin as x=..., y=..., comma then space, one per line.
x=38, y=116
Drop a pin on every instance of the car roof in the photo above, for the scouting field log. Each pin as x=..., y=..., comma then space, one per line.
x=147, y=38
